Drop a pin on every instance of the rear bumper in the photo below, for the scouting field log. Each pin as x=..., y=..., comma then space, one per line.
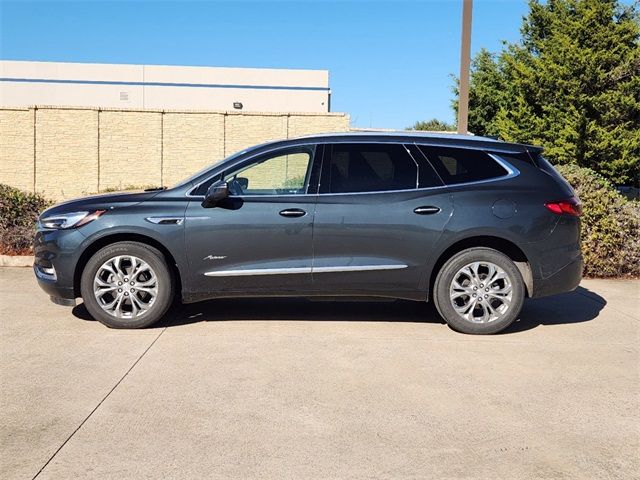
x=564, y=280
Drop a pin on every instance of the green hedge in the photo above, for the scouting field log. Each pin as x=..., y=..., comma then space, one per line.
x=18, y=215
x=610, y=225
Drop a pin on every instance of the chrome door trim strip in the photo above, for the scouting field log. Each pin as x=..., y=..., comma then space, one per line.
x=357, y=268
x=257, y=271
x=287, y=271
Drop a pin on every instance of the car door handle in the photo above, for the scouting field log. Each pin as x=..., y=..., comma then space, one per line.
x=426, y=210
x=293, y=212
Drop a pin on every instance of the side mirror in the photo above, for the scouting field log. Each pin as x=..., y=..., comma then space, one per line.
x=243, y=183
x=215, y=194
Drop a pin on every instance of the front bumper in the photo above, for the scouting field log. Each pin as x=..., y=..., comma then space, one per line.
x=56, y=255
x=59, y=294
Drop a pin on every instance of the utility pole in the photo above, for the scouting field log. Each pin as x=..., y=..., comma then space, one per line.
x=465, y=63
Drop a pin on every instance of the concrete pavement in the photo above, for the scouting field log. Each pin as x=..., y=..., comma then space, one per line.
x=300, y=389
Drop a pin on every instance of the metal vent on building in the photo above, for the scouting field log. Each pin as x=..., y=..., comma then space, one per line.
x=124, y=96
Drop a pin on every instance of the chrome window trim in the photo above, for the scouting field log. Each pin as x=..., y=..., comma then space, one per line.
x=511, y=173
x=295, y=270
x=377, y=192
x=511, y=170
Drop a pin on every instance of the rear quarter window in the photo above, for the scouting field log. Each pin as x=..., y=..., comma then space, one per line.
x=544, y=165
x=461, y=165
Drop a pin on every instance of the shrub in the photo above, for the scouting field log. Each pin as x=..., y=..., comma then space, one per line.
x=610, y=225
x=18, y=216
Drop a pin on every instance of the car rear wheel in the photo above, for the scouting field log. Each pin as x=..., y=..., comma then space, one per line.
x=127, y=285
x=479, y=291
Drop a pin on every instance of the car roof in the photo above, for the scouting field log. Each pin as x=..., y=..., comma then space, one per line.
x=426, y=138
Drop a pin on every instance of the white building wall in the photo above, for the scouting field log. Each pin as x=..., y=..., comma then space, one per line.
x=162, y=87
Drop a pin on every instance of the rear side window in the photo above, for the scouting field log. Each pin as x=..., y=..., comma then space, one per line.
x=362, y=167
x=461, y=165
x=545, y=166
x=427, y=177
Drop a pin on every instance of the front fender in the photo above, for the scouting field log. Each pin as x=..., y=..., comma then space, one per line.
x=167, y=238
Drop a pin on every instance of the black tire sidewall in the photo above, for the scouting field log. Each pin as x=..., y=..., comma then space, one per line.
x=445, y=277
x=156, y=261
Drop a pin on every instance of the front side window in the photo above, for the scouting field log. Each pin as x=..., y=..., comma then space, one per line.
x=281, y=173
x=361, y=167
x=462, y=165
x=285, y=172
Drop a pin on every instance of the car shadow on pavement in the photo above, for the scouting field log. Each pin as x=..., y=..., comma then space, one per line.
x=579, y=306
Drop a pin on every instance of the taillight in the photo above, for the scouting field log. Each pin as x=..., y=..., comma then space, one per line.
x=570, y=206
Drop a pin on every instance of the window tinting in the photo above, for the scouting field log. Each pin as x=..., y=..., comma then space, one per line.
x=353, y=168
x=546, y=167
x=461, y=165
x=427, y=177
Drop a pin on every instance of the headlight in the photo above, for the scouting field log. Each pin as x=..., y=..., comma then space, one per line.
x=70, y=220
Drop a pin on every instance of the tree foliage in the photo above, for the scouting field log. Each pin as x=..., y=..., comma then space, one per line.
x=571, y=84
x=433, y=125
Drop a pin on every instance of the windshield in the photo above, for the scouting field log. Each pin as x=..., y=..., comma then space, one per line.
x=207, y=168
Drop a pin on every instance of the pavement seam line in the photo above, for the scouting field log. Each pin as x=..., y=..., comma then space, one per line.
x=99, y=404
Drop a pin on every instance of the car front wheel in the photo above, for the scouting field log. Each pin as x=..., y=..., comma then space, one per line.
x=127, y=285
x=479, y=291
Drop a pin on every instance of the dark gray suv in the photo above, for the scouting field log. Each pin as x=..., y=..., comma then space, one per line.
x=475, y=224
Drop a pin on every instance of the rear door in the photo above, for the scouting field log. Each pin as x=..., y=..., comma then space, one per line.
x=380, y=210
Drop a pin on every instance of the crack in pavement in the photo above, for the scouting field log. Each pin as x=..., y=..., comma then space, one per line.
x=99, y=404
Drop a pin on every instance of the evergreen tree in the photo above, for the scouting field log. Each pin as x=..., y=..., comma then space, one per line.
x=433, y=125
x=572, y=84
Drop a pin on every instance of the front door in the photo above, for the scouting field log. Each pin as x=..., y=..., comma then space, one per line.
x=259, y=240
x=380, y=210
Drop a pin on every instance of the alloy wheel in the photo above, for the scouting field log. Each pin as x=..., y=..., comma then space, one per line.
x=125, y=287
x=481, y=292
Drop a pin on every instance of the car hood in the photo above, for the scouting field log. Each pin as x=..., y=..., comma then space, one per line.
x=108, y=201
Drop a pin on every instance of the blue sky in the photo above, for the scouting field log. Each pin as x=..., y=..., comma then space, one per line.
x=389, y=61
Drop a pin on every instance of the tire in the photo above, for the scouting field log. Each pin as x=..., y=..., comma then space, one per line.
x=499, y=305
x=139, y=301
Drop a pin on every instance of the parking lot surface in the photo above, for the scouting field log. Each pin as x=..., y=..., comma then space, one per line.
x=304, y=389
